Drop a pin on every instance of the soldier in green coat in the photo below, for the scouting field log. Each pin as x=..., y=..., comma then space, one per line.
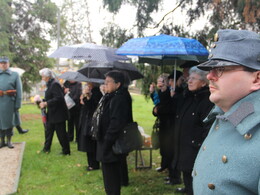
x=229, y=159
x=10, y=100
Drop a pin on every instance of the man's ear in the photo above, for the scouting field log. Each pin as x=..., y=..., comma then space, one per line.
x=256, y=81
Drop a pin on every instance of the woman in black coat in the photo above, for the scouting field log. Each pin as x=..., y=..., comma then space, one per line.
x=116, y=114
x=164, y=115
x=192, y=109
x=89, y=99
x=57, y=112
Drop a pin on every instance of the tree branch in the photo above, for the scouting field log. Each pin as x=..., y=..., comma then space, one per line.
x=156, y=26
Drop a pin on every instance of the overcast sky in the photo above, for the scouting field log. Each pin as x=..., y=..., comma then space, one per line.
x=99, y=17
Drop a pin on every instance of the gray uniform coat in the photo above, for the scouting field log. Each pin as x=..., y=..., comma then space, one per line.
x=9, y=80
x=229, y=159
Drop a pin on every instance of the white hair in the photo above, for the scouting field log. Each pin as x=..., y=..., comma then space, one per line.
x=47, y=73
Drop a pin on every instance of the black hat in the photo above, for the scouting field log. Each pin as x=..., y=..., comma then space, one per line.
x=178, y=75
x=189, y=64
x=234, y=47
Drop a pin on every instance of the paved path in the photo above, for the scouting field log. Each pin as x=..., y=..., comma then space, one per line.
x=10, y=167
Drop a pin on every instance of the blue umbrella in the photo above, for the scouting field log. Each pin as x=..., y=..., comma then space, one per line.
x=164, y=49
x=162, y=45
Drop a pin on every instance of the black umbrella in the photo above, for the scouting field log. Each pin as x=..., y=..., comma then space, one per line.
x=77, y=76
x=99, y=69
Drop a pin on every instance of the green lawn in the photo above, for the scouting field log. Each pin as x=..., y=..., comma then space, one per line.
x=67, y=175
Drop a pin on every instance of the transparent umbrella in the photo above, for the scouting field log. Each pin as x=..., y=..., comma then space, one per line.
x=89, y=52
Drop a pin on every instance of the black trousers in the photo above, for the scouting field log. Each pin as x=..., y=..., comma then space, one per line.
x=111, y=177
x=124, y=171
x=60, y=129
x=174, y=174
x=73, y=123
x=187, y=179
x=92, y=162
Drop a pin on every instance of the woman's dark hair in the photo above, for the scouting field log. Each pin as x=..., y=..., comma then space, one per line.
x=117, y=76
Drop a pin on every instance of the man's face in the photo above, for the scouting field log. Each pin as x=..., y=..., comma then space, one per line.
x=233, y=84
x=4, y=65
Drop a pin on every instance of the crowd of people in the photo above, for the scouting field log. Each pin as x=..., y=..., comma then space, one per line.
x=208, y=118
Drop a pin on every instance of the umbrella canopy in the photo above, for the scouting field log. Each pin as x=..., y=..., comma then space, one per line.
x=164, y=49
x=18, y=70
x=77, y=76
x=88, y=51
x=99, y=69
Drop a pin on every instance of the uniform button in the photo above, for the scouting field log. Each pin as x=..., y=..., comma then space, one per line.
x=204, y=148
x=193, y=113
x=177, y=116
x=224, y=159
x=217, y=127
x=248, y=136
x=211, y=186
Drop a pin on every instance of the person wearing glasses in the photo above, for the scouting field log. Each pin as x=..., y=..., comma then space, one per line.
x=229, y=159
x=116, y=112
x=190, y=131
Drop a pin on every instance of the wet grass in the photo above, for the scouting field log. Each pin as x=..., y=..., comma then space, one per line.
x=53, y=174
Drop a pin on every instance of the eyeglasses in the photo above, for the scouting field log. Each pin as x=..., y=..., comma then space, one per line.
x=218, y=71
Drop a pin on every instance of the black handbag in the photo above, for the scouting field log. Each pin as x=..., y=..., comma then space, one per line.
x=155, y=135
x=130, y=139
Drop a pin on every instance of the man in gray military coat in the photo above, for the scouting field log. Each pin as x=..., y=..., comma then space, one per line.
x=229, y=159
x=10, y=100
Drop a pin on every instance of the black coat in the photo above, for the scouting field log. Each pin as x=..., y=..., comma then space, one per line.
x=85, y=141
x=57, y=110
x=117, y=113
x=191, y=131
x=75, y=91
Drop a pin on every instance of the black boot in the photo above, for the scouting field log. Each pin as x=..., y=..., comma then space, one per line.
x=20, y=130
x=2, y=144
x=9, y=143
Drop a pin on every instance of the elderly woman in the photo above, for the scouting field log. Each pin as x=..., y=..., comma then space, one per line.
x=192, y=108
x=57, y=112
x=116, y=112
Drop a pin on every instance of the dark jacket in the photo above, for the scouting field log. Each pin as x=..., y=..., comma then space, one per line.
x=191, y=131
x=117, y=113
x=56, y=107
x=87, y=110
x=75, y=92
